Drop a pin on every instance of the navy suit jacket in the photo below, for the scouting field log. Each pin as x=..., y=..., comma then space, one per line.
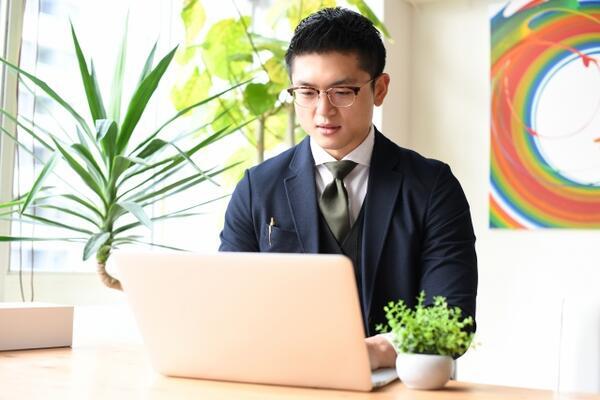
x=417, y=231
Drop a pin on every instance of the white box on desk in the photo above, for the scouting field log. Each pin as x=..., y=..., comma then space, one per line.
x=35, y=325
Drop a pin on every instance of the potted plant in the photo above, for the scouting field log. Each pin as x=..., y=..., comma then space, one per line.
x=427, y=338
x=120, y=171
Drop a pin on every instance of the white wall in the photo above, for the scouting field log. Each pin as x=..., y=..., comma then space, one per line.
x=523, y=275
x=395, y=115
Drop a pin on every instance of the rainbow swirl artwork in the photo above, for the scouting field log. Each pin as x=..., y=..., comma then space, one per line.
x=545, y=115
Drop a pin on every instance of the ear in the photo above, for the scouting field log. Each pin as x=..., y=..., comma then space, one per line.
x=381, y=88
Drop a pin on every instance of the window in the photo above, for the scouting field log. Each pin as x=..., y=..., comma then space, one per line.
x=47, y=52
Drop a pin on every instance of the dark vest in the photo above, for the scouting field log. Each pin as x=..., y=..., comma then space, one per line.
x=350, y=247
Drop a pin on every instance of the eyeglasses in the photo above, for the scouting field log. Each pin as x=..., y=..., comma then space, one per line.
x=339, y=96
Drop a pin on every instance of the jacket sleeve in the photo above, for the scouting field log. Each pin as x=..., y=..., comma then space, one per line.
x=238, y=232
x=448, y=258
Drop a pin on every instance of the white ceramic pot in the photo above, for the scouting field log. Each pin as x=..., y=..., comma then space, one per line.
x=423, y=371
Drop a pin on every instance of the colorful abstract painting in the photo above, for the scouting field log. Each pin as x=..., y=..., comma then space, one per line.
x=545, y=115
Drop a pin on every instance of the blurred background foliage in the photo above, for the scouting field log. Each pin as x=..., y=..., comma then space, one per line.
x=242, y=47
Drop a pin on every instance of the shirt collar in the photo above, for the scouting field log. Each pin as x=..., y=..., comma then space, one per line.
x=360, y=155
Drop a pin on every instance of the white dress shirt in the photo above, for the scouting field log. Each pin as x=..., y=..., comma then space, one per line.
x=356, y=182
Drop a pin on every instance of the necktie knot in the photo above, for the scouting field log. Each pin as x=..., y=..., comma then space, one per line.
x=339, y=169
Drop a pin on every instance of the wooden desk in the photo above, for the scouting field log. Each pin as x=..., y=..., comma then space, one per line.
x=108, y=361
x=122, y=371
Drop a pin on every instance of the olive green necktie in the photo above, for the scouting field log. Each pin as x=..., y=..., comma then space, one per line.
x=334, y=200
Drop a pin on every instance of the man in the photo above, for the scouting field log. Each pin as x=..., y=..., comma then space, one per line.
x=402, y=219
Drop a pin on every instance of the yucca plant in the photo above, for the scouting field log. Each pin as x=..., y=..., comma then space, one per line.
x=123, y=170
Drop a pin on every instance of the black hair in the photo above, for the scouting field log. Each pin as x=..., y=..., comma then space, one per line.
x=340, y=30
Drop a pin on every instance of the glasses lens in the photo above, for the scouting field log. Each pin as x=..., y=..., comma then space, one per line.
x=305, y=97
x=341, y=97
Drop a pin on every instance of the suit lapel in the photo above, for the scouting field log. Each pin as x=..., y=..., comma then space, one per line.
x=302, y=199
x=384, y=185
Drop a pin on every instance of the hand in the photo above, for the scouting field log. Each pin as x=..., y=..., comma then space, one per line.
x=381, y=352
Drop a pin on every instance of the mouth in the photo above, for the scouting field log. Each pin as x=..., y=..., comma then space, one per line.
x=327, y=129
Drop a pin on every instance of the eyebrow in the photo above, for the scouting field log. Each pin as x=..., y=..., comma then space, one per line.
x=345, y=81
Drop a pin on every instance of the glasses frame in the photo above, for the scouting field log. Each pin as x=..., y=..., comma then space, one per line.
x=355, y=89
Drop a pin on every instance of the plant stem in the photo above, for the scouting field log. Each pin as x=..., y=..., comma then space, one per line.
x=291, y=127
x=260, y=140
x=102, y=257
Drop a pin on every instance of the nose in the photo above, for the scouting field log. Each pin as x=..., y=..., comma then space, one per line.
x=324, y=106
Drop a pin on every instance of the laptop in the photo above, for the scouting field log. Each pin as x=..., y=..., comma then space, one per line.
x=281, y=319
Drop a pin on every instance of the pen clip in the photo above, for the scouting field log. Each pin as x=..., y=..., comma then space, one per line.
x=271, y=225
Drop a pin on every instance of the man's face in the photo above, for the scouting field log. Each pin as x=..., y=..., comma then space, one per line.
x=337, y=130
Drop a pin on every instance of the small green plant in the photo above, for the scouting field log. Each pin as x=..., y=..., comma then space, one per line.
x=435, y=329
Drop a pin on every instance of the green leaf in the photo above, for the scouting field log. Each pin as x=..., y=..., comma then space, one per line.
x=26, y=129
x=83, y=202
x=69, y=211
x=103, y=126
x=89, y=82
x=89, y=159
x=116, y=93
x=152, y=147
x=163, y=246
x=35, y=156
x=182, y=112
x=121, y=164
x=175, y=214
x=135, y=209
x=23, y=147
x=192, y=91
x=80, y=136
x=192, y=163
x=366, y=11
x=148, y=195
x=106, y=135
x=127, y=239
x=140, y=100
x=175, y=160
x=83, y=174
x=275, y=46
x=246, y=158
x=50, y=92
x=34, y=239
x=179, y=186
x=183, y=210
x=12, y=203
x=39, y=181
x=50, y=222
x=225, y=41
x=193, y=17
x=137, y=160
x=258, y=99
x=299, y=10
x=155, y=179
x=277, y=72
x=159, y=245
x=232, y=112
x=185, y=54
x=94, y=243
x=148, y=64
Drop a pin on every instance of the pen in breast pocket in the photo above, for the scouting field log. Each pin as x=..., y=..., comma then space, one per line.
x=271, y=225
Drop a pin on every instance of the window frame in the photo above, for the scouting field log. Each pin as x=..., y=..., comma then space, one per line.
x=11, y=27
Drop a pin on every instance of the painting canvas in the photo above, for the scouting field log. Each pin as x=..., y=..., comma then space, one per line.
x=545, y=115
